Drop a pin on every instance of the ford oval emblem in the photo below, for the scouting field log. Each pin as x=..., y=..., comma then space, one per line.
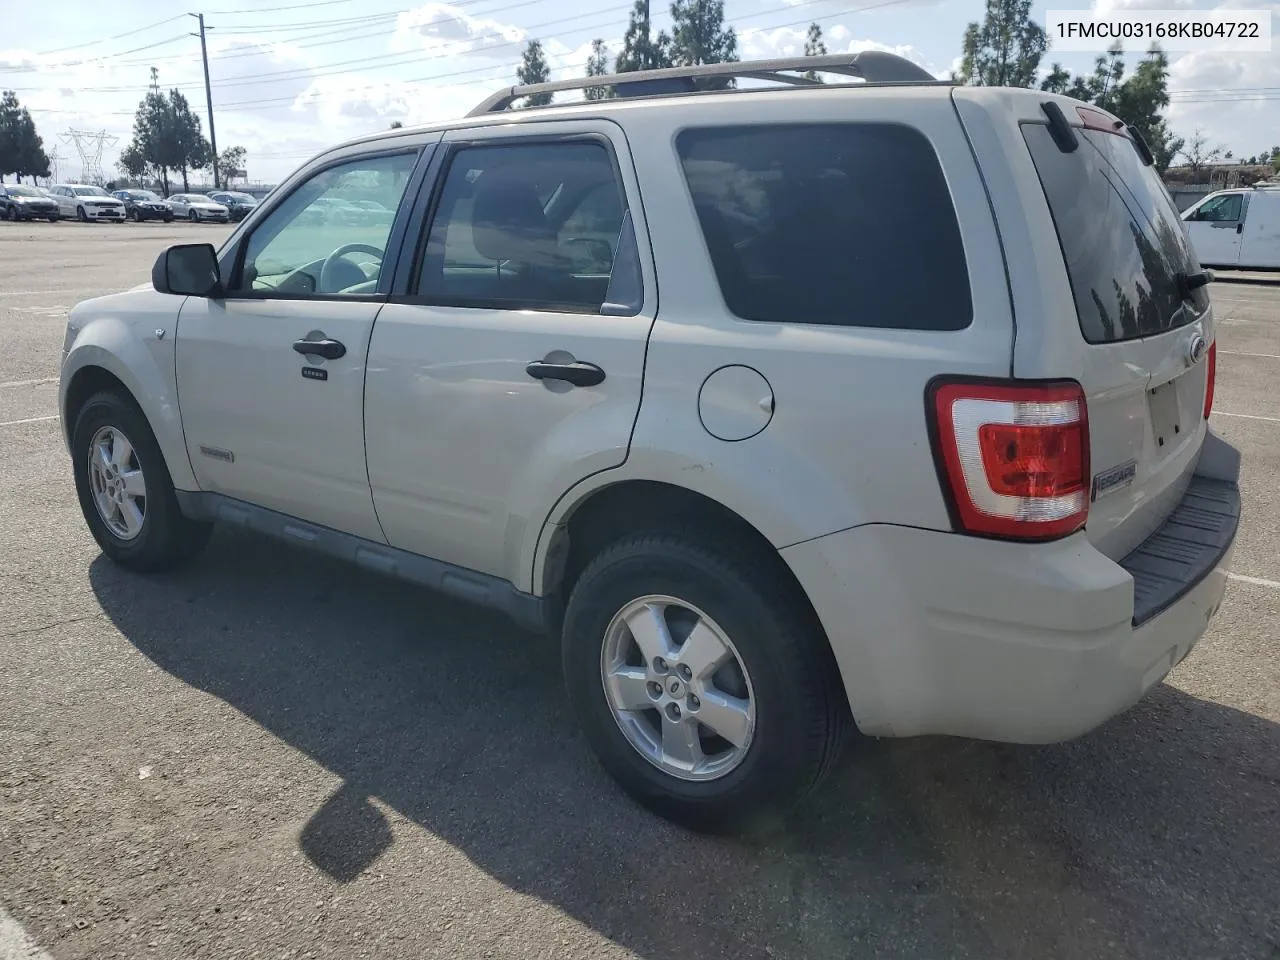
x=1196, y=349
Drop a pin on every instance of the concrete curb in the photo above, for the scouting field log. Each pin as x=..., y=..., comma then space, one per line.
x=1261, y=280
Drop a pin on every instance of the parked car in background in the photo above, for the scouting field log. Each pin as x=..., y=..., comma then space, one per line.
x=1236, y=229
x=140, y=205
x=86, y=202
x=21, y=202
x=197, y=207
x=370, y=213
x=239, y=205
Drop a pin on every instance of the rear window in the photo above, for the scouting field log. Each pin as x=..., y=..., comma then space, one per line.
x=847, y=224
x=1121, y=236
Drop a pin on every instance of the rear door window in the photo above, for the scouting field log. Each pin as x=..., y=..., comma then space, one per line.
x=1121, y=237
x=845, y=224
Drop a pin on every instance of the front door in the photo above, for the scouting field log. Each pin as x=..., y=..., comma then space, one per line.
x=1215, y=227
x=511, y=367
x=271, y=378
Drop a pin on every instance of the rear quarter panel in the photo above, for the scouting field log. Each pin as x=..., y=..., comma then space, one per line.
x=848, y=442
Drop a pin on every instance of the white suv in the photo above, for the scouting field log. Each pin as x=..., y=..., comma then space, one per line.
x=881, y=402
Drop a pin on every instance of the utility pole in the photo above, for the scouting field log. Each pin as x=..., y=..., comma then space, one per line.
x=208, y=97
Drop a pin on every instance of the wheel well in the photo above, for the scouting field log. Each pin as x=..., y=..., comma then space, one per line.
x=637, y=505
x=86, y=382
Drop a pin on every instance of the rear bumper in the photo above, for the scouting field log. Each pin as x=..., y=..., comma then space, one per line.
x=937, y=633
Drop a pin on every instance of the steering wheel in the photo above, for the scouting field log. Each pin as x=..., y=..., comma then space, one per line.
x=329, y=269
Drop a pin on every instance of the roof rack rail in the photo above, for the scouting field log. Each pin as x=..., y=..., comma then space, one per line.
x=874, y=66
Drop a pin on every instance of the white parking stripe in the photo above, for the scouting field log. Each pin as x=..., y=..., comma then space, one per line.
x=15, y=944
x=1256, y=581
x=14, y=423
x=29, y=383
x=1221, y=353
x=1216, y=413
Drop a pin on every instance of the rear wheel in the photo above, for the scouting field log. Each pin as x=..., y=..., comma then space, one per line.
x=124, y=488
x=704, y=685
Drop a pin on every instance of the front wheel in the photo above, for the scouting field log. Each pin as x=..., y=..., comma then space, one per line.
x=124, y=488
x=193, y=216
x=54, y=219
x=702, y=681
x=81, y=215
x=137, y=216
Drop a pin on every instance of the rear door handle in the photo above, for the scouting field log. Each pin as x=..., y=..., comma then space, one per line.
x=1240, y=227
x=578, y=373
x=329, y=349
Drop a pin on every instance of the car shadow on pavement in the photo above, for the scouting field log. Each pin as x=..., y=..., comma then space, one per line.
x=1158, y=835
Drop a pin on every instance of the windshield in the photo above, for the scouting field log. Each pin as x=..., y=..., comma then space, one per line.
x=197, y=198
x=239, y=197
x=18, y=190
x=89, y=192
x=142, y=195
x=1125, y=247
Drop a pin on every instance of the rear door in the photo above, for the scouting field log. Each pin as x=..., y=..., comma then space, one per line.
x=510, y=366
x=1216, y=227
x=1260, y=240
x=1130, y=323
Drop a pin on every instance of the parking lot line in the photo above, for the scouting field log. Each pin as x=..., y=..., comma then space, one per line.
x=1216, y=413
x=1256, y=581
x=29, y=383
x=1225, y=353
x=14, y=423
x=15, y=944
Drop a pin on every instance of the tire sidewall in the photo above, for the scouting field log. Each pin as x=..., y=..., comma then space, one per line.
x=109, y=410
x=772, y=766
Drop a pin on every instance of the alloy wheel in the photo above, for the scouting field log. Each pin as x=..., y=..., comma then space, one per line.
x=117, y=482
x=678, y=688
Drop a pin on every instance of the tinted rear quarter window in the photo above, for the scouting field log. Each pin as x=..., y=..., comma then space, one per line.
x=1121, y=238
x=846, y=224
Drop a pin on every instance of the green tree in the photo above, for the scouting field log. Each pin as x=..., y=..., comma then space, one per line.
x=10, y=120
x=231, y=159
x=192, y=149
x=814, y=46
x=598, y=66
x=154, y=137
x=698, y=35
x=132, y=163
x=1005, y=49
x=534, y=69
x=640, y=49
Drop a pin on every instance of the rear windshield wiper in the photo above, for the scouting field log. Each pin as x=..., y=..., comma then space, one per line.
x=1188, y=283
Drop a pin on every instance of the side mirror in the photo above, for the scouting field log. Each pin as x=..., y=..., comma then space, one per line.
x=188, y=270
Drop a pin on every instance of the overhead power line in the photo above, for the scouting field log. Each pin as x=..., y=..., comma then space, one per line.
x=118, y=36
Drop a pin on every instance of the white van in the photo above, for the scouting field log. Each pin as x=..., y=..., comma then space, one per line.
x=1236, y=228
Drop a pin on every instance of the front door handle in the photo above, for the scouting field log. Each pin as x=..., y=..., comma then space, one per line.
x=578, y=373
x=329, y=349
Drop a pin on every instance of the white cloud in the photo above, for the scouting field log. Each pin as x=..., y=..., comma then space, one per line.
x=441, y=28
x=767, y=43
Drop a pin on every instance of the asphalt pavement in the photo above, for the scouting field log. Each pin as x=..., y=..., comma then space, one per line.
x=274, y=755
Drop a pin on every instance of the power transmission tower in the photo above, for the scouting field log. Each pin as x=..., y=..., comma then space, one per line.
x=208, y=97
x=90, y=146
x=54, y=159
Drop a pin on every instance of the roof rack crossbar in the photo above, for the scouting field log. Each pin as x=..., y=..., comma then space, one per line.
x=874, y=66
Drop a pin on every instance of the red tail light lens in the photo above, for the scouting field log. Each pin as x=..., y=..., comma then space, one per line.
x=1210, y=376
x=1014, y=457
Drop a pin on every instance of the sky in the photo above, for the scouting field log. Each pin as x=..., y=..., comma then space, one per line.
x=291, y=77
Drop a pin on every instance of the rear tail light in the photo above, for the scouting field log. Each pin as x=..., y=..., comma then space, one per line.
x=1211, y=376
x=1013, y=457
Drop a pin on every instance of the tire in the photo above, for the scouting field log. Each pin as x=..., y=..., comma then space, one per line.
x=165, y=537
x=81, y=215
x=137, y=216
x=54, y=219
x=11, y=213
x=801, y=717
x=193, y=216
x=168, y=218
